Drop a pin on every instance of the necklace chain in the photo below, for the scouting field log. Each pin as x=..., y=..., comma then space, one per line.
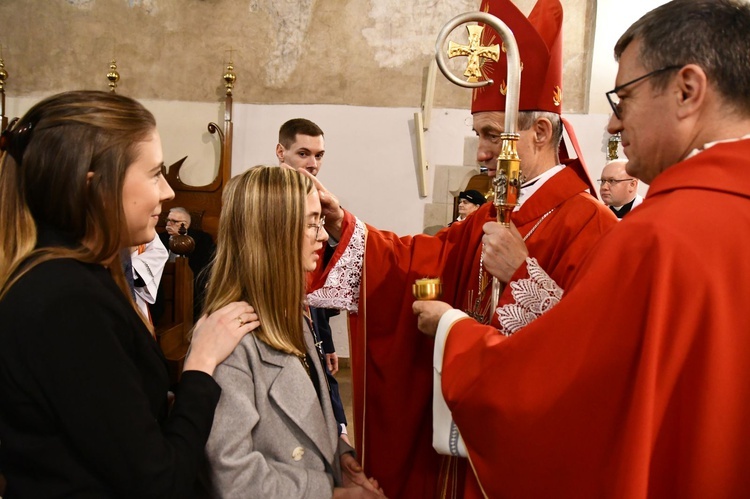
x=303, y=359
x=481, y=313
x=318, y=344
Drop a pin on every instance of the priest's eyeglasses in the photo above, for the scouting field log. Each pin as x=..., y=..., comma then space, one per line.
x=614, y=99
x=317, y=226
x=612, y=181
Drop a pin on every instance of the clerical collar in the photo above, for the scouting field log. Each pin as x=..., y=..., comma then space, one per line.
x=621, y=211
x=708, y=145
x=531, y=186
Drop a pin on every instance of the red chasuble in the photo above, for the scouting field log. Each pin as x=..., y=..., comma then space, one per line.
x=636, y=383
x=392, y=360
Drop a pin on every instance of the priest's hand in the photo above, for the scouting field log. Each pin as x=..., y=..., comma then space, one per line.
x=428, y=314
x=504, y=250
x=329, y=203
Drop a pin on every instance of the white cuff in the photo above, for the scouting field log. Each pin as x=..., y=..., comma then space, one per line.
x=446, y=439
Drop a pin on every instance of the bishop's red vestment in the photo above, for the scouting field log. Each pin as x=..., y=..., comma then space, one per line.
x=392, y=360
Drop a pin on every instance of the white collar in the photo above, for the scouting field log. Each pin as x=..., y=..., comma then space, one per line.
x=618, y=208
x=533, y=185
x=711, y=144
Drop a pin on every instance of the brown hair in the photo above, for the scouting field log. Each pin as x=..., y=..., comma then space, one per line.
x=297, y=126
x=259, y=252
x=44, y=179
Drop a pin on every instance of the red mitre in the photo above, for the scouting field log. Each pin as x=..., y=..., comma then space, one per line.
x=539, y=40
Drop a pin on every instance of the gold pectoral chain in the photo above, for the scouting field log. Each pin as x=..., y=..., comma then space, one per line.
x=479, y=312
x=482, y=313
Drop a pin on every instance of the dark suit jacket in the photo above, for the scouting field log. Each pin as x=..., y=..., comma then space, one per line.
x=83, y=393
x=320, y=323
x=320, y=318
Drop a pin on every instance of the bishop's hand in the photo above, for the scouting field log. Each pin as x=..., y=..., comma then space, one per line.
x=331, y=208
x=504, y=250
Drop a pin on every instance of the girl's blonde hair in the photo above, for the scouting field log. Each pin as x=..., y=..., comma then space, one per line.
x=259, y=252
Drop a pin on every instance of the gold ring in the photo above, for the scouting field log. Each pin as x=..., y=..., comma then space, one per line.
x=239, y=319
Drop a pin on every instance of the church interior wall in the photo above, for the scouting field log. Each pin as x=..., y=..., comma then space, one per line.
x=355, y=67
x=370, y=161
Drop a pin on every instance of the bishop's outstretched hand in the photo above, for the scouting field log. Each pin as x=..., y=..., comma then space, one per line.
x=329, y=203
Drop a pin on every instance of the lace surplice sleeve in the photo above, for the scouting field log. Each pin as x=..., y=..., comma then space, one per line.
x=341, y=288
x=532, y=297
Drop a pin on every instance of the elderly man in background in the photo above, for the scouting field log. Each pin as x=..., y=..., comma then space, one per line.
x=469, y=202
x=199, y=259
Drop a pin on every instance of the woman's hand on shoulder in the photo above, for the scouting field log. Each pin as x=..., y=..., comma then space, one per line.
x=215, y=336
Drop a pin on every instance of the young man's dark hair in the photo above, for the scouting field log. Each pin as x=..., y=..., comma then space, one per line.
x=289, y=130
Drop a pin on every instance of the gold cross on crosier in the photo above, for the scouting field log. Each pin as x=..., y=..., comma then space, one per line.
x=474, y=51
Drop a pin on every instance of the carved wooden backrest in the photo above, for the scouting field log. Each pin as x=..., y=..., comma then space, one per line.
x=204, y=205
x=177, y=318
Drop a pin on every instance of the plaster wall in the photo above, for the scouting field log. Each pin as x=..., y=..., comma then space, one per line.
x=356, y=52
x=355, y=67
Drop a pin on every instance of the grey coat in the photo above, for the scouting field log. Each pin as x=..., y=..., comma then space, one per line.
x=271, y=436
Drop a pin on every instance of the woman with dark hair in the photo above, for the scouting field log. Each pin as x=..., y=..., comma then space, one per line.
x=83, y=383
x=274, y=434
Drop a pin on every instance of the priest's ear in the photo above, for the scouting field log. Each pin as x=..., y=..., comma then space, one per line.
x=692, y=85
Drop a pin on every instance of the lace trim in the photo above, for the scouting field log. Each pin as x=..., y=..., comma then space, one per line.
x=533, y=297
x=341, y=289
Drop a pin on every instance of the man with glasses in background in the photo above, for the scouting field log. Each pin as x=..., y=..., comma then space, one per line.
x=198, y=260
x=178, y=217
x=619, y=190
x=635, y=383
